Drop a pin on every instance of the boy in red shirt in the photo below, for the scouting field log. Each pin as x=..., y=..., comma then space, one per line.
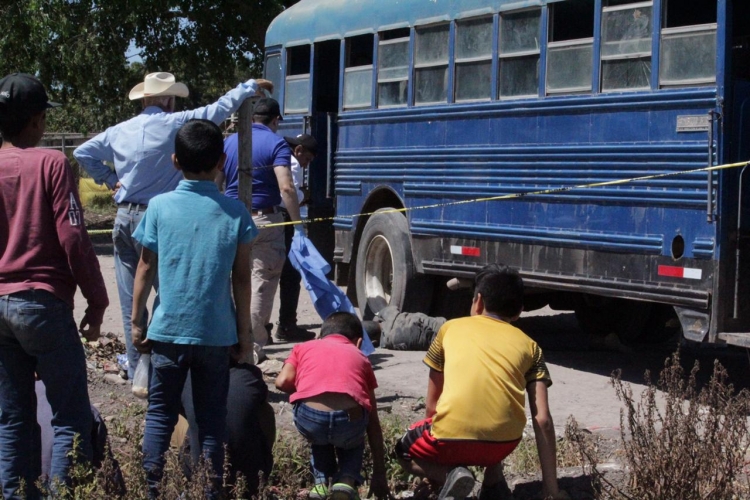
x=334, y=405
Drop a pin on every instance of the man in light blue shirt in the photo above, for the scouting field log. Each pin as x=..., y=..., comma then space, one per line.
x=141, y=151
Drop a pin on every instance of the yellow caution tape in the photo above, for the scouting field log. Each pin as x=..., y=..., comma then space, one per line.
x=501, y=197
x=522, y=195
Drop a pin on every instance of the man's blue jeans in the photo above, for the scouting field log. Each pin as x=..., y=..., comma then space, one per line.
x=209, y=373
x=38, y=334
x=127, y=254
x=332, y=434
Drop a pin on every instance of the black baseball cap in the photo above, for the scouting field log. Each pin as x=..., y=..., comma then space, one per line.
x=267, y=106
x=22, y=92
x=306, y=141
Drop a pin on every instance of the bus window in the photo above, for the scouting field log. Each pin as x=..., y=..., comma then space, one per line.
x=519, y=53
x=474, y=59
x=431, y=64
x=273, y=72
x=626, y=46
x=570, y=50
x=393, y=68
x=358, y=72
x=688, y=43
x=297, y=91
x=741, y=41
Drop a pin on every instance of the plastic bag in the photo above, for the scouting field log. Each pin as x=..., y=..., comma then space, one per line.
x=122, y=362
x=140, y=379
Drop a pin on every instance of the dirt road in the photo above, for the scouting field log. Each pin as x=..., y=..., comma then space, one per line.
x=580, y=371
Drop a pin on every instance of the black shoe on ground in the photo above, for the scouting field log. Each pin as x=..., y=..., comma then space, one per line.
x=459, y=484
x=498, y=491
x=292, y=333
x=269, y=329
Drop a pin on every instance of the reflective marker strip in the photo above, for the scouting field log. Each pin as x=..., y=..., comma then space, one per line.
x=681, y=272
x=468, y=251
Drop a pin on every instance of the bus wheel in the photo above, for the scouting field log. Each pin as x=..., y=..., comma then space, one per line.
x=385, y=272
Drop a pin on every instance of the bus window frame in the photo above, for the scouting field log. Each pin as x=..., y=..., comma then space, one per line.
x=683, y=30
x=278, y=92
x=470, y=60
x=298, y=77
x=540, y=52
x=634, y=55
x=566, y=44
x=407, y=79
x=346, y=47
x=551, y=45
x=447, y=64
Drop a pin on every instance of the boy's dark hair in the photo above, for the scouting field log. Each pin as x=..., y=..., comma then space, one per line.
x=343, y=323
x=198, y=146
x=12, y=124
x=501, y=288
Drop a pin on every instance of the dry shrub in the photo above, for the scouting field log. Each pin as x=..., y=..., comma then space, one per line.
x=102, y=484
x=693, y=449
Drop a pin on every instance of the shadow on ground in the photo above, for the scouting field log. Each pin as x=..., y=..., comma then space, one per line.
x=565, y=344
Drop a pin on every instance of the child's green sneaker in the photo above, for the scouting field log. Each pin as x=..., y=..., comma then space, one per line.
x=342, y=491
x=319, y=491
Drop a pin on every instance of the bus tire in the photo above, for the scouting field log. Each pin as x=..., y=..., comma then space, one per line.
x=385, y=270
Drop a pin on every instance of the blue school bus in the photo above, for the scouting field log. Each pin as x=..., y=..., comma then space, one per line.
x=420, y=104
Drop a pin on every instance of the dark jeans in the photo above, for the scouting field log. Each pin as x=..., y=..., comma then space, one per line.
x=331, y=434
x=289, y=283
x=248, y=446
x=209, y=367
x=38, y=334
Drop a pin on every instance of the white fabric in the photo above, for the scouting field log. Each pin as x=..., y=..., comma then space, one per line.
x=298, y=176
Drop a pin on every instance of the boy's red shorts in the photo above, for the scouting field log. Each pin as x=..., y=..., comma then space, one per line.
x=419, y=443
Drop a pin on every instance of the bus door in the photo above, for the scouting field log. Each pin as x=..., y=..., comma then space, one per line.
x=323, y=126
x=735, y=293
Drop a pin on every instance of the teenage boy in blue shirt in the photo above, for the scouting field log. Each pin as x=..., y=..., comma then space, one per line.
x=198, y=241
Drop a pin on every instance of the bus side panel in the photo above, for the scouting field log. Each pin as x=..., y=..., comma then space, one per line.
x=612, y=239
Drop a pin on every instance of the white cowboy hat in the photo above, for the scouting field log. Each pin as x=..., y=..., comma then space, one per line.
x=157, y=84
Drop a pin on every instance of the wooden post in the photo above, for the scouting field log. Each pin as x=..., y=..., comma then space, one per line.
x=245, y=153
x=245, y=172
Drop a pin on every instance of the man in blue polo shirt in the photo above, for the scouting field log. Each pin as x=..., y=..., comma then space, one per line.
x=272, y=183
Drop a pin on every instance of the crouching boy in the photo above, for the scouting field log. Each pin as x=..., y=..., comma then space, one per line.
x=332, y=387
x=479, y=369
x=198, y=241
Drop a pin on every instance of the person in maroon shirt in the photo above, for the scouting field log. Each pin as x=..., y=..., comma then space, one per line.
x=45, y=253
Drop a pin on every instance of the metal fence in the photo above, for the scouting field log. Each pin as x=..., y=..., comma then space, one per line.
x=63, y=141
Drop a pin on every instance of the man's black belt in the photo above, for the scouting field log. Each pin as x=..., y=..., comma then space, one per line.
x=266, y=211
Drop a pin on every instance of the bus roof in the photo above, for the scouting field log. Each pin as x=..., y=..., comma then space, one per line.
x=316, y=20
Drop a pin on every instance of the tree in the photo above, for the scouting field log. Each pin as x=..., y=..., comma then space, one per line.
x=77, y=49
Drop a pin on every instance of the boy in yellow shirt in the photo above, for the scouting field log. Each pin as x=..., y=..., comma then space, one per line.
x=480, y=369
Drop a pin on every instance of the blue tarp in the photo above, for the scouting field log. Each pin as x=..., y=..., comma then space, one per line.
x=326, y=296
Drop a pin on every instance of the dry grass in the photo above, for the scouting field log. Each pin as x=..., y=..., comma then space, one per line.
x=693, y=444
x=693, y=449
